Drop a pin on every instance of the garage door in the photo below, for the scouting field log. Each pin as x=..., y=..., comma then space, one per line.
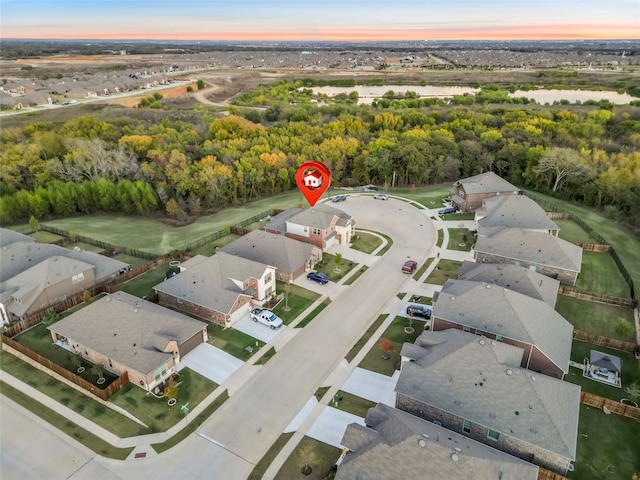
x=241, y=312
x=190, y=344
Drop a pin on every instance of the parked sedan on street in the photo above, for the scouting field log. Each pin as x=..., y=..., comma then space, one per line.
x=338, y=198
x=321, y=278
x=381, y=196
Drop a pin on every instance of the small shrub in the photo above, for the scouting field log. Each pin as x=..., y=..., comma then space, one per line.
x=624, y=327
x=386, y=346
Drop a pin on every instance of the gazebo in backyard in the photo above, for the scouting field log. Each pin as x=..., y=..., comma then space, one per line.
x=603, y=368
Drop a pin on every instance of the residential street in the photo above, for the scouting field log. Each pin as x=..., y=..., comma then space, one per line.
x=228, y=445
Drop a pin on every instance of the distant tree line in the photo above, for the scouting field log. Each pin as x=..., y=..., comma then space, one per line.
x=584, y=153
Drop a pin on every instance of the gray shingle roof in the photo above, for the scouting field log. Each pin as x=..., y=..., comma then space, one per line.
x=511, y=314
x=278, y=222
x=320, y=216
x=285, y=254
x=208, y=281
x=486, y=183
x=518, y=279
x=128, y=330
x=512, y=211
x=471, y=382
x=20, y=256
x=400, y=445
x=533, y=247
x=8, y=236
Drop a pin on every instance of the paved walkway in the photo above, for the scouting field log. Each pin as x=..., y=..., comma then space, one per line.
x=315, y=418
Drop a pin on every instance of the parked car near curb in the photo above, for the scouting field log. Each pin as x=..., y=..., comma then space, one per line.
x=446, y=210
x=381, y=196
x=409, y=266
x=338, y=198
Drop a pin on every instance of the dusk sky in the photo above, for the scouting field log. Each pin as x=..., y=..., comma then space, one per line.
x=320, y=19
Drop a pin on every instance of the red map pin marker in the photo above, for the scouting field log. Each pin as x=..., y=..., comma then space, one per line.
x=313, y=179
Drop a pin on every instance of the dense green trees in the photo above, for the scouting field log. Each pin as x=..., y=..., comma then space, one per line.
x=585, y=153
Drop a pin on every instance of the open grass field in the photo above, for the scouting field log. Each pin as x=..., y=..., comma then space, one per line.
x=608, y=446
x=375, y=361
x=153, y=411
x=321, y=456
x=445, y=270
x=298, y=301
x=600, y=274
x=151, y=235
x=430, y=197
x=91, y=409
x=76, y=432
x=460, y=239
x=572, y=232
x=624, y=242
x=595, y=317
x=630, y=371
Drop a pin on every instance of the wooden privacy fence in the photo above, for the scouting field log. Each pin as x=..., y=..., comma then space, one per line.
x=604, y=341
x=596, y=297
x=239, y=230
x=92, y=389
x=594, y=247
x=544, y=474
x=612, y=406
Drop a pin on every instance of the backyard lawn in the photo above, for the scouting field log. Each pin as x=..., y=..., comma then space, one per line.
x=232, y=341
x=375, y=359
x=298, y=301
x=209, y=249
x=460, y=239
x=153, y=411
x=45, y=237
x=572, y=232
x=143, y=284
x=445, y=270
x=321, y=456
x=600, y=274
x=608, y=446
x=365, y=242
x=86, y=406
x=596, y=317
x=630, y=371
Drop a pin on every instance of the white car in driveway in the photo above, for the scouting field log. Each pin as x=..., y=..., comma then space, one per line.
x=267, y=317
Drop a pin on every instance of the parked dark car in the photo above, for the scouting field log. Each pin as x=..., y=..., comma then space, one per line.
x=338, y=198
x=419, y=311
x=446, y=210
x=321, y=278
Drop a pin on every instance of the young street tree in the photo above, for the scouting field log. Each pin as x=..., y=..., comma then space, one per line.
x=564, y=165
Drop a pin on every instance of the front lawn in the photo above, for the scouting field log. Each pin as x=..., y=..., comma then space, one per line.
x=600, y=274
x=153, y=411
x=460, y=239
x=423, y=268
x=299, y=299
x=595, y=317
x=351, y=403
x=458, y=217
x=445, y=270
x=630, y=371
x=261, y=467
x=365, y=242
x=606, y=446
x=335, y=270
x=142, y=285
x=321, y=456
x=232, y=341
x=376, y=360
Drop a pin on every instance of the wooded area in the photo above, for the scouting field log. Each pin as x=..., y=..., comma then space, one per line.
x=586, y=153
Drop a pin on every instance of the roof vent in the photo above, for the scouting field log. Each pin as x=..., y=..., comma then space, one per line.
x=481, y=342
x=454, y=457
x=533, y=378
x=488, y=285
x=452, y=298
x=457, y=449
x=422, y=443
x=425, y=435
x=135, y=310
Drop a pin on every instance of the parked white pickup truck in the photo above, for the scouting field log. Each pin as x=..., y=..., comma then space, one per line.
x=267, y=317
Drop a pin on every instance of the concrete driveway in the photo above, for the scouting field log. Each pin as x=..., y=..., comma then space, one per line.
x=256, y=329
x=329, y=427
x=211, y=362
x=372, y=386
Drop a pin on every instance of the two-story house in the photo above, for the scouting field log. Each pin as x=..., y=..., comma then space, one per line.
x=467, y=194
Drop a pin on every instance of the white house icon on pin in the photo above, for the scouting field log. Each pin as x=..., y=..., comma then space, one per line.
x=313, y=179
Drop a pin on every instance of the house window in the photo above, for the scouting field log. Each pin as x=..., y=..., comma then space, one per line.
x=493, y=435
x=499, y=338
x=479, y=332
x=179, y=300
x=77, y=278
x=305, y=230
x=466, y=426
x=268, y=292
x=466, y=328
x=164, y=371
x=517, y=263
x=317, y=231
x=267, y=278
